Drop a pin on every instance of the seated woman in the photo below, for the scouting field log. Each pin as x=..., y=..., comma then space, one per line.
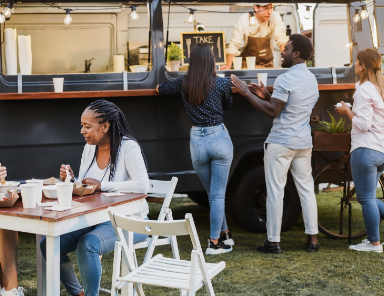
x=9, y=242
x=113, y=161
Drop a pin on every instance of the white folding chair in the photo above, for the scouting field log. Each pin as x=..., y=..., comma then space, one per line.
x=160, y=271
x=166, y=189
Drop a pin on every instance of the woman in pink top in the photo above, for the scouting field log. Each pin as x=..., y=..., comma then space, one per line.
x=367, y=147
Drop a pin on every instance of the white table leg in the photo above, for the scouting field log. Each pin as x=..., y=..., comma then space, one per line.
x=53, y=265
x=40, y=265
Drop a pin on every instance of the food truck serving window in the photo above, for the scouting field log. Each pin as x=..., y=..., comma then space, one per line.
x=101, y=38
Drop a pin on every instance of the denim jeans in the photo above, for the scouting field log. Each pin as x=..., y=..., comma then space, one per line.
x=212, y=153
x=88, y=243
x=367, y=166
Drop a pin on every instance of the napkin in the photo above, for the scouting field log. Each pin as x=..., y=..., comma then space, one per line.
x=47, y=204
x=110, y=194
x=59, y=209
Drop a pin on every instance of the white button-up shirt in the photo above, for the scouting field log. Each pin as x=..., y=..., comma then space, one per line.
x=368, y=122
x=243, y=30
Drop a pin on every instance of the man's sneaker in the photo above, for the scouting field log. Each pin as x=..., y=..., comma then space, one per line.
x=267, y=248
x=311, y=247
x=367, y=247
x=14, y=292
x=219, y=248
x=226, y=238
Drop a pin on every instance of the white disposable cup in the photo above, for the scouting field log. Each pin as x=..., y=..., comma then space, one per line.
x=237, y=62
x=262, y=77
x=39, y=188
x=58, y=84
x=251, y=62
x=64, y=194
x=28, y=192
x=221, y=75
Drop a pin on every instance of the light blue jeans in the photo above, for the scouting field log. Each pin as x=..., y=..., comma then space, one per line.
x=212, y=153
x=88, y=243
x=367, y=166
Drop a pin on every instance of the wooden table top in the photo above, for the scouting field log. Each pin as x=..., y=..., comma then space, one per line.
x=128, y=93
x=81, y=205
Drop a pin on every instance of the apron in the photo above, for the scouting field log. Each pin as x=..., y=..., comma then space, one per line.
x=259, y=47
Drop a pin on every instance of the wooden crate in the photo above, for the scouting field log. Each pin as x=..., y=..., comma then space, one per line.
x=331, y=142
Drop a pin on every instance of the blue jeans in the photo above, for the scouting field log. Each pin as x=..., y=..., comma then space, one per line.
x=212, y=153
x=367, y=166
x=88, y=243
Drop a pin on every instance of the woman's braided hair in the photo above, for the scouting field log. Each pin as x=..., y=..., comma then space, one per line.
x=118, y=130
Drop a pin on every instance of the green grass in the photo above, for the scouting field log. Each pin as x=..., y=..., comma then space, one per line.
x=333, y=271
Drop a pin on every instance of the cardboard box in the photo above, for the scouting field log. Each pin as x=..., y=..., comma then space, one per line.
x=51, y=181
x=12, y=196
x=81, y=191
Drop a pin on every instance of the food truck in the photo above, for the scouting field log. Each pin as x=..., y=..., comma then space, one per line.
x=117, y=51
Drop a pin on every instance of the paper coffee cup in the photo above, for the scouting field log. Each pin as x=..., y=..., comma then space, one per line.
x=262, y=77
x=29, y=192
x=64, y=194
x=251, y=62
x=58, y=84
x=221, y=75
x=39, y=188
x=237, y=62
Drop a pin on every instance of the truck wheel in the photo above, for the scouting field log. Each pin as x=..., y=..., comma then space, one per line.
x=249, y=198
x=200, y=197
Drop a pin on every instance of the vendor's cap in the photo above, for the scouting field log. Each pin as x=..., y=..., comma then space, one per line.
x=261, y=4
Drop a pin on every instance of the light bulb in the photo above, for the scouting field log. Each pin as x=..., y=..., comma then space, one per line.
x=7, y=12
x=356, y=17
x=252, y=19
x=2, y=18
x=364, y=12
x=191, y=17
x=307, y=14
x=134, y=14
x=68, y=18
x=349, y=44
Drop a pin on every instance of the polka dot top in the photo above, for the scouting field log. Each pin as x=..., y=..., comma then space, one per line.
x=210, y=113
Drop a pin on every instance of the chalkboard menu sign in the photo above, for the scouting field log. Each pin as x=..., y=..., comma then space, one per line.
x=215, y=40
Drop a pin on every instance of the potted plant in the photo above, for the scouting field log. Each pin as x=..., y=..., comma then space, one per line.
x=332, y=136
x=174, y=56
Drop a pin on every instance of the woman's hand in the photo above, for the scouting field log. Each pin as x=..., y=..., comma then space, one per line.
x=343, y=110
x=259, y=90
x=240, y=85
x=91, y=181
x=157, y=89
x=3, y=172
x=63, y=173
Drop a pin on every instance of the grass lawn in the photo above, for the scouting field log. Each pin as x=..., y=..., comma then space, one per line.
x=333, y=271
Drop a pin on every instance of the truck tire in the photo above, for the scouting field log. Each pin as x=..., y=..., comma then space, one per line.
x=248, y=202
x=200, y=197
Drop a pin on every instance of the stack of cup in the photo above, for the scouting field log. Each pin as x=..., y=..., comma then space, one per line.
x=64, y=194
x=29, y=195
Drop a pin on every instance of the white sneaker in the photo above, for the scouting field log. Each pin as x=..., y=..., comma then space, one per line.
x=367, y=247
x=14, y=292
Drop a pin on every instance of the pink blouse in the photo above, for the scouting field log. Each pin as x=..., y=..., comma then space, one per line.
x=368, y=124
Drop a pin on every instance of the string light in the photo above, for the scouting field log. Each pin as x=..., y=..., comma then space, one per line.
x=134, y=14
x=364, y=12
x=67, y=18
x=8, y=11
x=356, y=17
x=191, y=17
x=307, y=14
x=252, y=19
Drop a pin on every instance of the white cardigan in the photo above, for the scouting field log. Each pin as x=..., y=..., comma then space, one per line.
x=130, y=172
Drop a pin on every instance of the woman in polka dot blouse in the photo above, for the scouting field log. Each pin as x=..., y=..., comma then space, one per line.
x=205, y=98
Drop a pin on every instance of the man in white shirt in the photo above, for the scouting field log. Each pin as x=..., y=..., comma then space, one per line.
x=257, y=35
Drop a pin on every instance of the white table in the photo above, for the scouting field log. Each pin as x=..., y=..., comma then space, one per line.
x=88, y=211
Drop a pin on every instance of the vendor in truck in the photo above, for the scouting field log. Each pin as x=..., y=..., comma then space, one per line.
x=257, y=30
